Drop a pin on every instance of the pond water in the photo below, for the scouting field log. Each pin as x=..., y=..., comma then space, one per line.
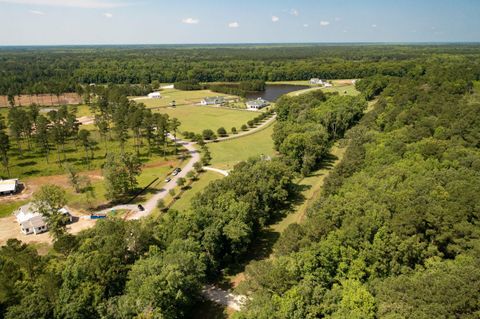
x=274, y=91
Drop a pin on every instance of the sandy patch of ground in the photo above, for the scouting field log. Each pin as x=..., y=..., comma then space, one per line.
x=43, y=99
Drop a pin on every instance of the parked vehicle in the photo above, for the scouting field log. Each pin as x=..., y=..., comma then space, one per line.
x=168, y=179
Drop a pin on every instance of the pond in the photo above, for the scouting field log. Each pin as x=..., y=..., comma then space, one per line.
x=274, y=91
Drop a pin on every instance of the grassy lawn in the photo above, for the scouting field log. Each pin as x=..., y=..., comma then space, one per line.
x=198, y=118
x=180, y=98
x=7, y=208
x=228, y=153
x=183, y=204
x=153, y=170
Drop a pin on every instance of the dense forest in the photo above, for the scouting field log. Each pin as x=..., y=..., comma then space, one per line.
x=62, y=69
x=395, y=233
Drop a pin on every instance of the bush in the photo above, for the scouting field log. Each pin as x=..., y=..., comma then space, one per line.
x=244, y=127
x=208, y=135
x=251, y=123
x=234, y=130
x=222, y=131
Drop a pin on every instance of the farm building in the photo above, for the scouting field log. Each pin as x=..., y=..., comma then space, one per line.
x=214, y=100
x=317, y=81
x=8, y=186
x=327, y=85
x=154, y=95
x=256, y=104
x=32, y=222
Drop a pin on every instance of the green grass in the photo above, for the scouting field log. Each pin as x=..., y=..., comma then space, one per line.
x=228, y=153
x=180, y=98
x=183, y=204
x=198, y=118
x=7, y=208
x=79, y=201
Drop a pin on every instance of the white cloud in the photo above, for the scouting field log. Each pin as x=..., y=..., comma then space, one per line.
x=324, y=23
x=275, y=19
x=305, y=25
x=37, y=12
x=234, y=25
x=190, y=21
x=108, y=15
x=87, y=4
x=374, y=25
x=294, y=12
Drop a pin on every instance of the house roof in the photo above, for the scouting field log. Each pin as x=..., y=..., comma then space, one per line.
x=8, y=185
x=257, y=102
x=213, y=98
x=36, y=221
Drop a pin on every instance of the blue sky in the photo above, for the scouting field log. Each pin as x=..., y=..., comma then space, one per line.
x=50, y=22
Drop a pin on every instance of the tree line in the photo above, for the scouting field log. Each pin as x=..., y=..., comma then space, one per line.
x=308, y=124
x=58, y=70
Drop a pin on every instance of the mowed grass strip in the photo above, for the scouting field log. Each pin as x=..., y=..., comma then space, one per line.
x=228, y=153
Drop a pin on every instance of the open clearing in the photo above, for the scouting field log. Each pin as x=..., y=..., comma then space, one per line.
x=195, y=118
x=228, y=153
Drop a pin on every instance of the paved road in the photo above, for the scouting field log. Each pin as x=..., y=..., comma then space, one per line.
x=150, y=205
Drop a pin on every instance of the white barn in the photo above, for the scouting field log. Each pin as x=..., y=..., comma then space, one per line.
x=32, y=222
x=154, y=95
x=8, y=186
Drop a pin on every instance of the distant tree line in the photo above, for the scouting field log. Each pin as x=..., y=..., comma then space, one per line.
x=58, y=70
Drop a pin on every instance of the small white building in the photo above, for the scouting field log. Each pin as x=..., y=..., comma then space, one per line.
x=213, y=100
x=32, y=222
x=257, y=104
x=327, y=85
x=317, y=81
x=8, y=186
x=154, y=95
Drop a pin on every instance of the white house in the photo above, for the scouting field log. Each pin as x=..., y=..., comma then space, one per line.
x=213, y=100
x=256, y=104
x=8, y=186
x=317, y=81
x=32, y=222
x=154, y=95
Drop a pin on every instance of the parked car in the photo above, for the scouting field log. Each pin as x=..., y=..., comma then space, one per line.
x=168, y=179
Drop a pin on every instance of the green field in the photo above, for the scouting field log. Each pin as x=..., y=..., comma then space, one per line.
x=183, y=203
x=180, y=98
x=228, y=153
x=198, y=118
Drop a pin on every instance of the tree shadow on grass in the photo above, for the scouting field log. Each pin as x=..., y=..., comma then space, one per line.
x=28, y=163
x=31, y=172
